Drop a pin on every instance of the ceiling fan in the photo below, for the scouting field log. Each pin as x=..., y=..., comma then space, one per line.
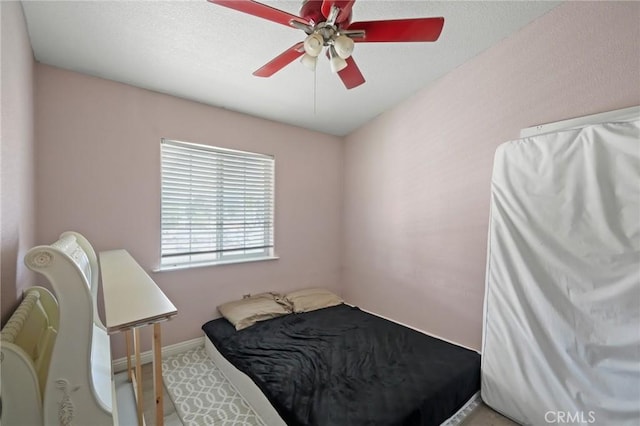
x=328, y=24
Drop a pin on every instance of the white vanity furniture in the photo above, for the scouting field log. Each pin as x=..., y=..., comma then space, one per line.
x=55, y=351
x=132, y=300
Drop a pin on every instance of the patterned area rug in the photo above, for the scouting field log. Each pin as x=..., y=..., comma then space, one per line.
x=202, y=395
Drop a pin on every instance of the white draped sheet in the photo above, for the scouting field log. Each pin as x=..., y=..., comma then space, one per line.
x=561, y=341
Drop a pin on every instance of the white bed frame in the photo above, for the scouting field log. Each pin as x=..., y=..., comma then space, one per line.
x=55, y=351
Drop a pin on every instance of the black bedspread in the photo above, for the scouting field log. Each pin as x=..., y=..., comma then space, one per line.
x=342, y=366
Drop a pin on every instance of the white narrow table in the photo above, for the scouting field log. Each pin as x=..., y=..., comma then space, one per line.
x=133, y=300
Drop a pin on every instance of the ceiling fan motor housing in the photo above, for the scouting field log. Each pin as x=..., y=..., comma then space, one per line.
x=312, y=10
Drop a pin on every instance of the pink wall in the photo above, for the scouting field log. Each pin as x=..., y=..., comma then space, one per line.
x=417, y=177
x=17, y=197
x=414, y=209
x=98, y=172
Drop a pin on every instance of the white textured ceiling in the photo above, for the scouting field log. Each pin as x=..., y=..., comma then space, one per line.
x=204, y=52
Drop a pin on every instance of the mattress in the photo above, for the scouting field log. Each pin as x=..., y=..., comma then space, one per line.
x=343, y=366
x=561, y=338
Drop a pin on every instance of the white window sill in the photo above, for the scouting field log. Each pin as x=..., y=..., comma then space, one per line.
x=213, y=263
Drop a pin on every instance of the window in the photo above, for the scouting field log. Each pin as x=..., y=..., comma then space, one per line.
x=217, y=205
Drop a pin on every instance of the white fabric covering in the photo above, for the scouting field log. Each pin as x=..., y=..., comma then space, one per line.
x=561, y=341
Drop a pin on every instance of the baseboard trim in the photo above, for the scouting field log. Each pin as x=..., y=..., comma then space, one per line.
x=120, y=364
x=416, y=329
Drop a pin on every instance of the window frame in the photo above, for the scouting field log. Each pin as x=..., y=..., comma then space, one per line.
x=218, y=257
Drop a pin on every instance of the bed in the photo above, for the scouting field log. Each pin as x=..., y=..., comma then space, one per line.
x=342, y=366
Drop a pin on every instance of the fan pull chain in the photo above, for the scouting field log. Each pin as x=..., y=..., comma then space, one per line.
x=315, y=90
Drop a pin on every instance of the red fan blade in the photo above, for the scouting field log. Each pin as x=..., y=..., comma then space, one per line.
x=344, y=6
x=351, y=75
x=281, y=61
x=399, y=30
x=261, y=10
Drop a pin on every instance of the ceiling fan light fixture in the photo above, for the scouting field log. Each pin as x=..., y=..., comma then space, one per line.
x=313, y=44
x=336, y=62
x=309, y=61
x=328, y=24
x=344, y=46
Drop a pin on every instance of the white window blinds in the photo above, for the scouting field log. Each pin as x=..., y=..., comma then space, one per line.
x=217, y=204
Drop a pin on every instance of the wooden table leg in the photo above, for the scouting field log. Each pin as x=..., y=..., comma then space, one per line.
x=157, y=374
x=127, y=341
x=138, y=376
